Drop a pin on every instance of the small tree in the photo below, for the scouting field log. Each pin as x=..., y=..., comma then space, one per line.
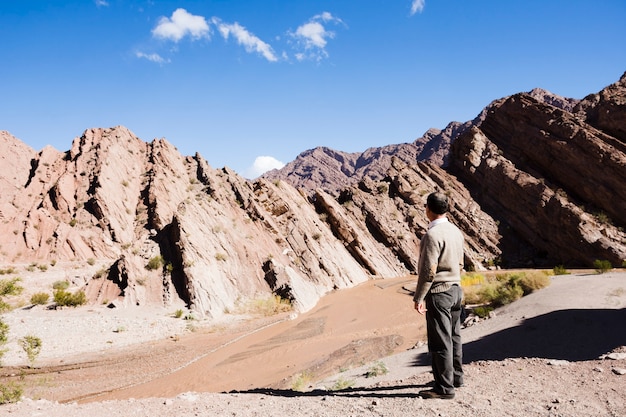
x=32, y=347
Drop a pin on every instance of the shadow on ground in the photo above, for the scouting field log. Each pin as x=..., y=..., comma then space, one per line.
x=572, y=335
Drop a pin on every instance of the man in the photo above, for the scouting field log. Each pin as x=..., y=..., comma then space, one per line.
x=438, y=295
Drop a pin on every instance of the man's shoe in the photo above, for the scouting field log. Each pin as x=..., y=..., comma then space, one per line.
x=428, y=394
x=458, y=384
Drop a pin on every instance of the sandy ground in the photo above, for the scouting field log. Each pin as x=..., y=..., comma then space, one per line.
x=544, y=355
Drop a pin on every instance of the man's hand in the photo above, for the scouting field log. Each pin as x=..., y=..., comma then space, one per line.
x=420, y=307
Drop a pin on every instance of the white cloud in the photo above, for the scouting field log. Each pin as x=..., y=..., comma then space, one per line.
x=101, y=3
x=417, y=6
x=152, y=57
x=249, y=41
x=181, y=24
x=261, y=165
x=314, y=36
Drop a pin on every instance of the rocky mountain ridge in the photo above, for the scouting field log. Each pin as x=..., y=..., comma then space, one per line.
x=534, y=182
x=512, y=159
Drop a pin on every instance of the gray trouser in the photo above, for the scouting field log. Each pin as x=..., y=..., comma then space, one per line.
x=443, y=323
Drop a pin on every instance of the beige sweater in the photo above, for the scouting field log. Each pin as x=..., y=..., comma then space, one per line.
x=441, y=259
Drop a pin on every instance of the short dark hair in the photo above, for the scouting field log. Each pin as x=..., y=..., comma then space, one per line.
x=437, y=203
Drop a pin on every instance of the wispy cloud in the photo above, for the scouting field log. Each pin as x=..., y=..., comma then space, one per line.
x=101, y=3
x=313, y=36
x=249, y=41
x=261, y=165
x=309, y=40
x=152, y=57
x=181, y=24
x=417, y=6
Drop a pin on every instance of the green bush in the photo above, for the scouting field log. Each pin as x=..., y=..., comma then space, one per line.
x=602, y=266
x=533, y=280
x=65, y=298
x=502, y=289
x=155, y=262
x=32, y=347
x=60, y=285
x=379, y=368
x=10, y=393
x=39, y=298
x=560, y=270
x=10, y=287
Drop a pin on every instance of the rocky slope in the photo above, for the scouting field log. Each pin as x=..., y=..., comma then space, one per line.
x=536, y=180
x=548, y=172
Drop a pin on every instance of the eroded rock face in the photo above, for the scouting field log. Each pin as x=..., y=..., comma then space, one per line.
x=174, y=230
x=546, y=173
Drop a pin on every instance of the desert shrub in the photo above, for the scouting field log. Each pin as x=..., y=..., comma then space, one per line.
x=10, y=393
x=501, y=294
x=482, y=311
x=379, y=368
x=342, y=384
x=503, y=288
x=32, y=347
x=532, y=281
x=9, y=270
x=65, y=298
x=156, y=262
x=560, y=270
x=178, y=313
x=10, y=287
x=91, y=261
x=60, y=285
x=4, y=337
x=39, y=298
x=472, y=278
x=301, y=381
x=269, y=306
x=602, y=265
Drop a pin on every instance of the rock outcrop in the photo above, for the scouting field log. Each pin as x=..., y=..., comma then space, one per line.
x=548, y=171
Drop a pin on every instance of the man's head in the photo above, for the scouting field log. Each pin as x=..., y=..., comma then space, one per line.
x=437, y=203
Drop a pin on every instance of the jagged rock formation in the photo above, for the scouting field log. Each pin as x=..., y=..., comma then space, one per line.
x=535, y=180
x=549, y=171
x=171, y=228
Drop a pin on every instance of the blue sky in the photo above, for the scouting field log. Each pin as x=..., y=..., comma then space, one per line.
x=250, y=84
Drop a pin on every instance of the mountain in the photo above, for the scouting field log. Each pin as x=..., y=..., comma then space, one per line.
x=550, y=171
x=535, y=180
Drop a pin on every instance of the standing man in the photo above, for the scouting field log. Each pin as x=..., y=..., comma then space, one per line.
x=438, y=295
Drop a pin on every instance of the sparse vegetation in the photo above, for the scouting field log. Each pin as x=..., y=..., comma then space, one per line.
x=220, y=256
x=39, y=298
x=178, y=313
x=4, y=337
x=91, y=261
x=10, y=393
x=65, y=298
x=377, y=369
x=156, y=262
x=73, y=222
x=9, y=287
x=268, y=306
x=489, y=293
x=602, y=266
x=560, y=270
x=301, y=381
x=60, y=285
x=342, y=384
x=32, y=347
